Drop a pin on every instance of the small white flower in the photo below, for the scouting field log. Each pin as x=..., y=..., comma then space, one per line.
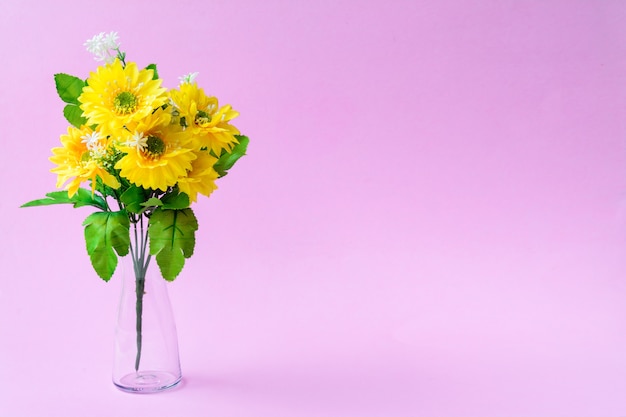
x=104, y=46
x=111, y=40
x=98, y=153
x=189, y=78
x=137, y=140
x=93, y=45
x=91, y=140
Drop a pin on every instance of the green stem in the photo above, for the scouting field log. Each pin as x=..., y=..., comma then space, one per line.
x=140, y=284
x=140, y=267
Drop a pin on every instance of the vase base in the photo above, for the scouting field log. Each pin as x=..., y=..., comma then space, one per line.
x=146, y=382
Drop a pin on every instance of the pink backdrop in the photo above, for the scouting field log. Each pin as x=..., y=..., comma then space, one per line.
x=431, y=219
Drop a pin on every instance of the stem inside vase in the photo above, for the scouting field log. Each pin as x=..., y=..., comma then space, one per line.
x=141, y=260
x=140, y=283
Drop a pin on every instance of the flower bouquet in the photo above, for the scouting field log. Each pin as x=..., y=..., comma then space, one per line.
x=146, y=154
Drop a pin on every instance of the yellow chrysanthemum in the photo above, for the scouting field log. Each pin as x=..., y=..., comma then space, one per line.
x=156, y=153
x=204, y=120
x=118, y=96
x=201, y=178
x=80, y=159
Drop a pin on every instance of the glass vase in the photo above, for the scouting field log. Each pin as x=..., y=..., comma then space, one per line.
x=146, y=343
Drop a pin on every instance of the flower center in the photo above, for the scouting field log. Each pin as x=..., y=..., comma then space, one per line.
x=202, y=118
x=125, y=102
x=155, y=146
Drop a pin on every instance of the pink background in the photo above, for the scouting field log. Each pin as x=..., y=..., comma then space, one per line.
x=431, y=220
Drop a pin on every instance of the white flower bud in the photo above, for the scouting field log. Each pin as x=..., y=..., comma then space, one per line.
x=189, y=78
x=104, y=46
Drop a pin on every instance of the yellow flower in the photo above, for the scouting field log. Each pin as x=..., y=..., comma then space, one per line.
x=117, y=96
x=156, y=153
x=203, y=119
x=80, y=159
x=201, y=178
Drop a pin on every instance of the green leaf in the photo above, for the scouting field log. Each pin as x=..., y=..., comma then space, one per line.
x=152, y=202
x=69, y=87
x=105, y=190
x=175, y=201
x=172, y=239
x=74, y=115
x=133, y=199
x=82, y=198
x=228, y=159
x=106, y=233
x=153, y=67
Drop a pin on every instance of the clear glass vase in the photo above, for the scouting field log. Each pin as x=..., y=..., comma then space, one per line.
x=146, y=343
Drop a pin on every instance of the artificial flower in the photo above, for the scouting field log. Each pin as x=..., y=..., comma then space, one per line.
x=155, y=153
x=81, y=159
x=118, y=96
x=203, y=119
x=151, y=153
x=201, y=178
